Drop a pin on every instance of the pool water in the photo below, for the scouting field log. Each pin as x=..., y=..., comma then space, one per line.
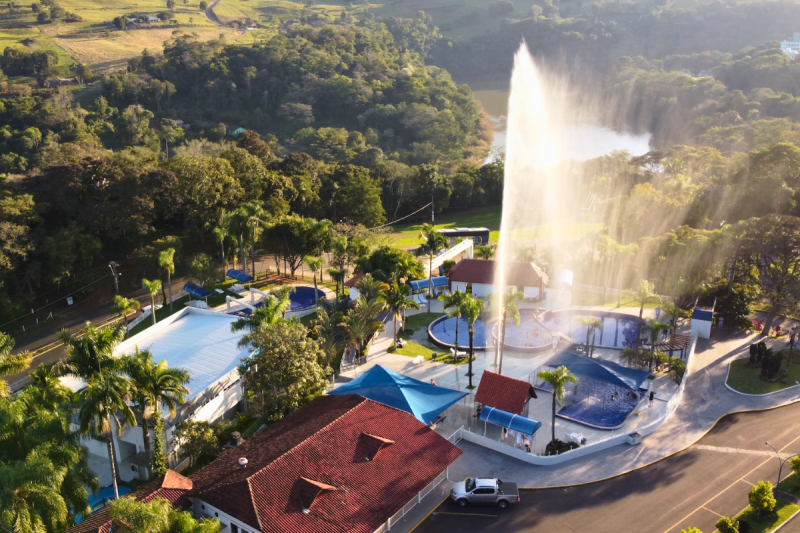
x=101, y=499
x=444, y=332
x=603, y=409
x=529, y=334
x=617, y=331
x=302, y=298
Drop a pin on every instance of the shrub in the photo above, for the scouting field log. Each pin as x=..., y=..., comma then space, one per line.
x=447, y=265
x=753, y=355
x=795, y=464
x=761, y=498
x=203, y=5
x=728, y=525
x=691, y=530
x=557, y=447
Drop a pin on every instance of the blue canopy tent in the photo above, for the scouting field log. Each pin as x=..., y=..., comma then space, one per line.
x=508, y=420
x=422, y=284
x=239, y=276
x=423, y=400
x=593, y=368
x=196, y=290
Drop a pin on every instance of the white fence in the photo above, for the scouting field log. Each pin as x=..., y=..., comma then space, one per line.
x=145, y=314
x=387, y=526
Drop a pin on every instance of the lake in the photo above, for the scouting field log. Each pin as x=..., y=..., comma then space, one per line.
x=580, y=142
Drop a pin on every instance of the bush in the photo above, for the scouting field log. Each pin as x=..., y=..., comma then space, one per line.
x=447, y=265
x=203, y=5
x=728, y=525
x=557, y=447
x=795, y=464
x=761, y=498
x=678, y=368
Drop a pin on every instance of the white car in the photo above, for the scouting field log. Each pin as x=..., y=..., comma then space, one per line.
x=484, y=491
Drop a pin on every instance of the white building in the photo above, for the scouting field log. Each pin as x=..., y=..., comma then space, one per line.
x=200, y=342
x=476, y=276
x=791, y=48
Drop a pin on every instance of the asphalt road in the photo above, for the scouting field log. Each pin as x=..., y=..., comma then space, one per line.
x=692, y=488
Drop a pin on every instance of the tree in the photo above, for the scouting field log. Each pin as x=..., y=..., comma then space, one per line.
x=691, y=530
x=284, y=373
x=591, y=324
x=103, y=400
x=153, y=385
x=558, y=380
x=166, y=260
x=727, y=525
x=644, y=295
x=158, y=459
x=328, y=333
x=125, y=306
x=221, y=233
x=203, y=5
x=508, y=308
x=10, y=364
x=398, y=302
x=361, y=323
x=119, y=22
x=271, y=312
x=256, y=217
x=485, y=251
x=92, y=353
x=471, y=310
x=654, y=329
x=371, y=288
x=195, y=438
x=291, y=238
x=337, y=275
x=453, y=302
x=201, y=269
x=761, y=498
x=314, y=264
x=432, y=243
x=282, y=294
x=46, y=389
x=157, y=516
x=360, y=198
x=208, y=186
x=152, y=288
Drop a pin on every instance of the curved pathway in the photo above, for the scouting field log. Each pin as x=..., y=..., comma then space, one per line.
x=211, y=15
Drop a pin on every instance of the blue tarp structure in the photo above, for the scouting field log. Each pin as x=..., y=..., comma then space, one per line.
x=508, y=420
x=423, y=400
x=196, y=290
x=239, y=276
x=420, y=284
x=607, y=371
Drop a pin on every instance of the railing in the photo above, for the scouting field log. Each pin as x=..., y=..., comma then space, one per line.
x=387, y=526
x=457, y=435
x=145, y=314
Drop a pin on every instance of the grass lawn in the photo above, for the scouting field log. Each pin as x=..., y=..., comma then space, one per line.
x=413, y=349
x=421, y=320
x=745, y=378
x=768, y=522
x=306, y=320
x=791, y=484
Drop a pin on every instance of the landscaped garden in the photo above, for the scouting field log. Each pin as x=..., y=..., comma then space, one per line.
x=748, y=377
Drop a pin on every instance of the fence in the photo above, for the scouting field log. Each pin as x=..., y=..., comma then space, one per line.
x=387, y=526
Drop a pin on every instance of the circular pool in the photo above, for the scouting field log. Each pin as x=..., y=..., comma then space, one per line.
x=615, y=330
x=442, y=331
x=530, y=335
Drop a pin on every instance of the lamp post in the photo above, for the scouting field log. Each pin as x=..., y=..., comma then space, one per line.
x=113, y=266
x=780, y=460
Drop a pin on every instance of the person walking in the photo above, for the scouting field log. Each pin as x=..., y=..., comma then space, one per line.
x=652, y=397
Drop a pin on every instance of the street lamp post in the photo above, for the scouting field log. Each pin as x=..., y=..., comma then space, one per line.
x=780, y=460
x=113, y=266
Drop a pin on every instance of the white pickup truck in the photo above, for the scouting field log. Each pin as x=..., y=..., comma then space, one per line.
x=483, y=491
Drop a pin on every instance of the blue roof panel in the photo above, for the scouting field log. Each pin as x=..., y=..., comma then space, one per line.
x=528, y=426
x=196, y=290
x=419, y=284
x=594, y=368
x=239, y=276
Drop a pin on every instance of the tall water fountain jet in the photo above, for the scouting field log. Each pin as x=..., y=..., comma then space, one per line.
x=540, y=191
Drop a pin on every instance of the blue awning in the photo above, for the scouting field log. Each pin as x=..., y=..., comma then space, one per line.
x=196, y=290
x=239, y=276
x=420, y=284
x=510, y=421
x=595, y=368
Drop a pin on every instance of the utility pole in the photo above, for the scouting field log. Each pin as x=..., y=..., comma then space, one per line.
x=113, y=265
x=781, y=461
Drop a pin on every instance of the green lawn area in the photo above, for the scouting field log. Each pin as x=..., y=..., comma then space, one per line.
x=768, y=522
x=745, y=378
x=413, y=349
x=488, y=217
x=790, y=484
x=421, y=320
x=308, y=319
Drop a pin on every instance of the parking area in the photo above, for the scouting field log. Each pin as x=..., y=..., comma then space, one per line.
x=692, y=488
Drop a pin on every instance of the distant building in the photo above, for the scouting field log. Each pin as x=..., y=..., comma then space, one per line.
x=234, y=130
x=478, y=235
x=791, y=48
x=476, y=276
x=351, y=284
x=152, y=19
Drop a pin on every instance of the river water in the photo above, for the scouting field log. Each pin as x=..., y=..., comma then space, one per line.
x=580, y=142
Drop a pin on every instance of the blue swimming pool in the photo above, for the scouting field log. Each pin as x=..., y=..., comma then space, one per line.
x=443, y=332
x=602, y=410
x=302, y=298
x=617, y=330
x=529, y=335
x=102, y=498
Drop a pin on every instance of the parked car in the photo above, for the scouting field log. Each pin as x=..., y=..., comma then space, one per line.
x=483, y=491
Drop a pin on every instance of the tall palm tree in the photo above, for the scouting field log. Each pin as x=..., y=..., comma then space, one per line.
x=153, y=385
x=166, y=260
x=453, y=302
x=220, y=234
x=125, y=306
x=405, y=268
x=508, y=309
x=557, y=379
x=591, y=324
x=271, y=312
x=152, y=288
x=10, y=364
x=361, y=323
x=282, y=294
x=256, y=217
x=103, y=400
x=645, y=294
x=432, y=243
x=371, y=288
x=238, y=226
x=337, y=275
x=329, y=333
x=674, y=313
x=398, y=301
x=314, y=264
x=654, y=329
x=471, y=310
x=485, y=251
x=92, y=353
x=46, y=388
x=339, y=246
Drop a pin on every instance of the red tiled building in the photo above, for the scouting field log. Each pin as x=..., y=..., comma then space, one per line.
x=477, y=276
x=504, y=393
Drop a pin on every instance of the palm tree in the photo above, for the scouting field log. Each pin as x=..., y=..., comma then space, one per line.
x=157, y=516
x=152, y=385
x=371, y=288
x=337, y=275
x=674, y=313
x=398, y=302
x=103, y=400
x=644, y=295
x=10, y=364
x=166, y=260
x=591, y=324
x=256, y=216
x=654, y=329
x=405, y=268
x=30, y=499
x=152, y=287
x=92, y=353
x=508, y=308
x=282, y=294
x=47, y=389
x=271, y=312
x=329, y=333
x=453, y=302
x=557, y=379
x=314, y=264
x=360, y=323
x=471, y=310
x=485, y=251
x=433, y=243
x=220, y=234
x=238, y=226
x=125, y=306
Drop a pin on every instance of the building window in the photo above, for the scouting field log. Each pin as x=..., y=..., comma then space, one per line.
x=234, y=528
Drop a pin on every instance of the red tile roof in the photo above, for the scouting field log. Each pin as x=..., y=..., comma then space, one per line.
x=355, y=279
x=482, y=271
x=504, y=393
x=325, y=442
x=172, y=487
